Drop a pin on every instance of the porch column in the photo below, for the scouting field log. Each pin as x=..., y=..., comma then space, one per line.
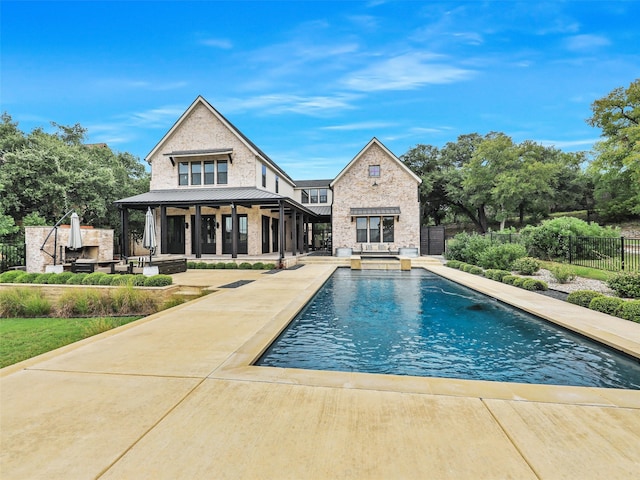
x=197, y=232
x=281, y=231
x=234, y=231
x=301, y=234
x=164, y=230
x=294, y=232
x=124, y=232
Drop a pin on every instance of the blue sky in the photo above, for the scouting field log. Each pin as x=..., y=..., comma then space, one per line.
x=312, y=82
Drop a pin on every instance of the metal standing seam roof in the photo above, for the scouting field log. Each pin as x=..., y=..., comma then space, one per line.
x=313, y=183
x=375, y=211
x=324, y=210
x=195, y=195
x=192, y=196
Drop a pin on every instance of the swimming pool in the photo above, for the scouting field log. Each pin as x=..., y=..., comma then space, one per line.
x=417, y=323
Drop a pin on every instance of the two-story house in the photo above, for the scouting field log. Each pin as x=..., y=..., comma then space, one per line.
x=214, y=192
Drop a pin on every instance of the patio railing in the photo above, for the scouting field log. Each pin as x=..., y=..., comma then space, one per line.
x=11, y=255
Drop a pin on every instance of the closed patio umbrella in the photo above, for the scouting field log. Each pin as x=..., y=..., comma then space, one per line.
x=149, y=237
x=75, y=238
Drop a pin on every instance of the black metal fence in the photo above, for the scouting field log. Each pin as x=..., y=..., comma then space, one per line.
x=614, y=254
x=11, y=255
x=604, y=253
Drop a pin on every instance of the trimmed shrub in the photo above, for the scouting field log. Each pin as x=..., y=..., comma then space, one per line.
x=245, y=266
x=158, y=281
x=509, y=279
x=269, y=266
x=76, y=279
x=501, y=256
x=453, y=263
x=122, y=280
x=258, y=266
x=526, y=265
x=231, y=266
x=466, y=267
x=583, y=297
x=93, y=278
x=497, y=275
x=519, y=281
x=60, y=278
x=10, y=276
x=211, y=266
x=626, y=284
x=43, y=278
x=476, y=270
x=138, y=280
x=191, y=265
x=562, y=273
x=604, y=304
x=535, y=285
x=631, y=310
x=221, y=266
x=107, y=280
x=27, y=278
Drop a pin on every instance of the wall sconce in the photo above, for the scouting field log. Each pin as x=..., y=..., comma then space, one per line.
x=186, y=226
x=217, y=224
x=397, y=218
x=375, y=184
x=352, y=219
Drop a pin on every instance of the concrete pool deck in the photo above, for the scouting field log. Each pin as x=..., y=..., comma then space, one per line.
x=174, y=396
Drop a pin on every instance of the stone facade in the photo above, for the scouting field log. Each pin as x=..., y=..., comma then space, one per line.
x=395, y=187
x=97, y=244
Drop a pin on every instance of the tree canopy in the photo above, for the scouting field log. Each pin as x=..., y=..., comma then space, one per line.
x=616, y=168
x=490, y=178
x=50, y=174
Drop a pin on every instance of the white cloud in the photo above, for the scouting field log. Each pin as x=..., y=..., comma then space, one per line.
x=217, y=43
x=569, y=143
x=586, y=42
x=156, y=117
x=286, y=103
x=406, y=72
x=358, y=126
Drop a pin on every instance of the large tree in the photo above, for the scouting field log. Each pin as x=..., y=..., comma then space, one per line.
x=616, y=168
x=50, y=174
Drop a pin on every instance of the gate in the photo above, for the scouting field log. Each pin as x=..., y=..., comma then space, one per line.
x=432, y=240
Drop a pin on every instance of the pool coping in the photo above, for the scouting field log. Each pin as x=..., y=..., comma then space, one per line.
x=619, y=334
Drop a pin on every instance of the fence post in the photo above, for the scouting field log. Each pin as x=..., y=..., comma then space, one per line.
x=622, y=253
x=570, y=251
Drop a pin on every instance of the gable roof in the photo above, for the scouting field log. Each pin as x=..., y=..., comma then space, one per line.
x=375, y=141
x=200, y=100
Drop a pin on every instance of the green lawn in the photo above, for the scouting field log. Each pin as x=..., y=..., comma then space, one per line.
x=584, y=272
x=23, y=338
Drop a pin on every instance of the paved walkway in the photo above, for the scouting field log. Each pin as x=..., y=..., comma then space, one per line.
x=174, y=396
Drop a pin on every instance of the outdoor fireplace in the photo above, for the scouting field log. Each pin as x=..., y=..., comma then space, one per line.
x=97, y=246
x=86, y=252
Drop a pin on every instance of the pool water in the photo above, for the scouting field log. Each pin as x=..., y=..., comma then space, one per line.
x=417, y=323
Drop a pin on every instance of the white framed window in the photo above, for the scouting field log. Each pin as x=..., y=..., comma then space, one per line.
x=374, y=170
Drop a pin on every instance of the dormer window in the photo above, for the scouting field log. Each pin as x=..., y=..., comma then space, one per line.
x=202, y=172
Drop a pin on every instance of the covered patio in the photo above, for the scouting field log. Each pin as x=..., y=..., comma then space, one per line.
x=222, y=223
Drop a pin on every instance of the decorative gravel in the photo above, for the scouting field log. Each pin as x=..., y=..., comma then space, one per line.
x=578, y=283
